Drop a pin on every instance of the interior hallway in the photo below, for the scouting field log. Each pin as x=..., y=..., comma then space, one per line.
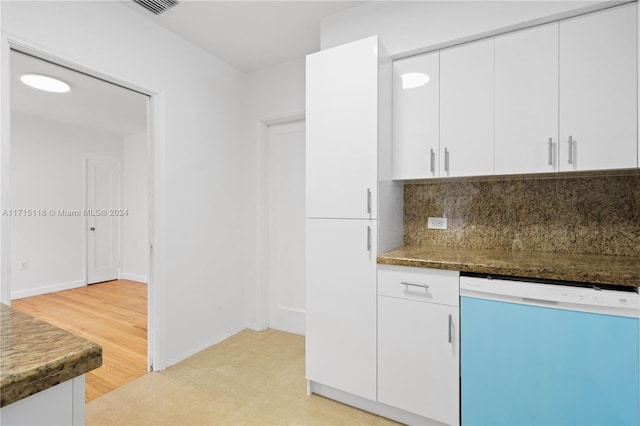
x=252, y=378
x=112, y=314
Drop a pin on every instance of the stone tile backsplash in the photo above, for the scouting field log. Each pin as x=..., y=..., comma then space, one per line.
x=597, y=214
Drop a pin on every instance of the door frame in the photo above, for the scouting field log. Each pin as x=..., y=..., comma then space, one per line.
x=156, y=298
x=262, y=307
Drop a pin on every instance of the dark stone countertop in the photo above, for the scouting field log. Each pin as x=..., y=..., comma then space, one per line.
x=597, y=269
x=35, y=355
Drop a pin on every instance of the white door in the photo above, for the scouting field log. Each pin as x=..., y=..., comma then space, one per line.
x=103, y=222
x=342, y=131
x=598, y=90
x=341, y=304
x=466, y=110
x=526, y=104
x=416, y=117
x=286, y=192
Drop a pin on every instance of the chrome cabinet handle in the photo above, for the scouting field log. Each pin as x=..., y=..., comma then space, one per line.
x=432, y=158
x=550, y=152
x=409, y=283
x=570, y=157
x=368, y=200
x=446, y=160
x=450, y=327
x=368, y=238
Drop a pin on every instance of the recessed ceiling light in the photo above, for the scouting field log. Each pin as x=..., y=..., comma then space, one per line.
x=44, y=82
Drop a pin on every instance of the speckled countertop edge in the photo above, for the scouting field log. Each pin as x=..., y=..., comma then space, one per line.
x=35, y=355
x=620, y=270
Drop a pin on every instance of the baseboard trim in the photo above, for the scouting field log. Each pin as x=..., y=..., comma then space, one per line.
x=135, y=277
x=47, y=289
x=374, y=407
x=253, y=326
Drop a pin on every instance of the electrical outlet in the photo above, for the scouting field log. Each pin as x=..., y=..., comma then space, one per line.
x=24, y=265
x=437, y=223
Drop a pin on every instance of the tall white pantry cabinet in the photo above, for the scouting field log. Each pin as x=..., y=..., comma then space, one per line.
x=353, y=210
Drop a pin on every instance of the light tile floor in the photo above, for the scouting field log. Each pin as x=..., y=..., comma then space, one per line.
x=252, y=378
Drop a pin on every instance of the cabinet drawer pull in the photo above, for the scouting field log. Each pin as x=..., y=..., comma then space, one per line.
x=408, y=283
x=432, y=159
x=450, y=327
x=550, y=152
x=368, y=238
x=570, y=157
x=446, y=160
x=369, y=200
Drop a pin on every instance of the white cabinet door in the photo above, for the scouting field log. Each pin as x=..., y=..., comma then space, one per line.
x=466, y=110
x=62, y=404
x=526, y=101
x=418, y=357
x=342, y=131
x=341, y=304
x=416, y=117
x=598, y=90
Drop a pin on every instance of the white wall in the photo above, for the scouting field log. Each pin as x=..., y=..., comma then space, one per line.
x=273, y=93
x=48, y=173
x=409, y=27
x=135, y=225
x=200, y=154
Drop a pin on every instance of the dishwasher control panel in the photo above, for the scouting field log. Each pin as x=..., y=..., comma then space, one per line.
x=626, y=303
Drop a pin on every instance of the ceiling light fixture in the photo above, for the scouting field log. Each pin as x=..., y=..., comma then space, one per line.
x=44, y=82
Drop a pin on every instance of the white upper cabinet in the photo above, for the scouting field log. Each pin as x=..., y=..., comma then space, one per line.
x=526, y=101
x=598, y=90
x=556, y=97
x=416, y=117
x=466, y=110
x=342, y=131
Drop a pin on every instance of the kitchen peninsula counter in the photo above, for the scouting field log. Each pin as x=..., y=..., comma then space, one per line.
x=35, y=355
x=596, y=269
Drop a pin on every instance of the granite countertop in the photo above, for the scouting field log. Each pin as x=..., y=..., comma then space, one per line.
x=602, y=269
x=35, y=355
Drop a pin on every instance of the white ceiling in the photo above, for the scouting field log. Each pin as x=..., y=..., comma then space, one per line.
x=249, y=35
x=91, y=103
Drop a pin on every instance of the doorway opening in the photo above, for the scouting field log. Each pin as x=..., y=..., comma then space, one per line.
x=80, y=219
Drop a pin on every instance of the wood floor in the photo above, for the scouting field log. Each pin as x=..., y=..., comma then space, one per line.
x=112, y=314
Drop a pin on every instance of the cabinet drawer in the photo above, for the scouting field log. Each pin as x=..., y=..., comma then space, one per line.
x=422, y=284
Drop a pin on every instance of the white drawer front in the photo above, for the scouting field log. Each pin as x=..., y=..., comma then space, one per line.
x=427, y=285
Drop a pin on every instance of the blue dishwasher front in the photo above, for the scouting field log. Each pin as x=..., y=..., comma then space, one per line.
x=541, y=354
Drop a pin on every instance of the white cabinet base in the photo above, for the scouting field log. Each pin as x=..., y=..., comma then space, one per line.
x=374, y=407
x=62, y=404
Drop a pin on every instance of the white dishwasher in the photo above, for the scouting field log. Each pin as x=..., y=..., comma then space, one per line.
x=535, y=353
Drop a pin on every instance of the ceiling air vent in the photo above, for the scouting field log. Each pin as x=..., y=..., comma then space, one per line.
x=157, y=6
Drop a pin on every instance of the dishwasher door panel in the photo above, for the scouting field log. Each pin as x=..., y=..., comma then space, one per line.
x=534, y=365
